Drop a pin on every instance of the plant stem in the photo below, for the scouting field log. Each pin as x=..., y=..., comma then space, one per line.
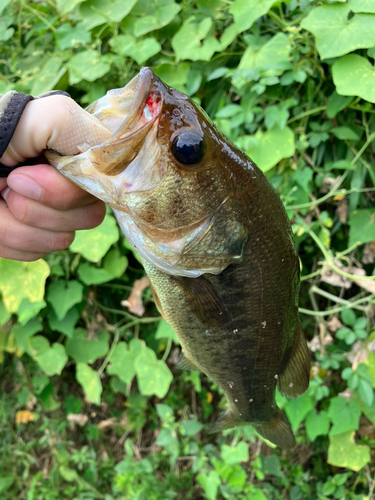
x=110, y=352
x=167, y=350
x=307, y=113
x=328, y=312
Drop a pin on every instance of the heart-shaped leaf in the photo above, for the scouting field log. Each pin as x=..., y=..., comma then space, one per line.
x=343, y=452
x=20, y=280
x=90, y=382
x=337, y=35
x=63, y=295
x=95, y=243
x=354, y=75
x=51, y=359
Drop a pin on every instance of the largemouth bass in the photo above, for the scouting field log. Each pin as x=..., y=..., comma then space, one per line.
x=214, y=239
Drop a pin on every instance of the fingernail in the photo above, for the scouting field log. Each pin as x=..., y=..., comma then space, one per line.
x=4, y=193
x=24, y=185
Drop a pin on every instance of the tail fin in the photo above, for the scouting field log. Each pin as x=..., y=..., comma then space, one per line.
x=277, y=430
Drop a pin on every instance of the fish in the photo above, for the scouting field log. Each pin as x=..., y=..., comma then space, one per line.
x=215, y=242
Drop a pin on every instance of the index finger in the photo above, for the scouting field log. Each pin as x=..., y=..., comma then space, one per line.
x=47, y=186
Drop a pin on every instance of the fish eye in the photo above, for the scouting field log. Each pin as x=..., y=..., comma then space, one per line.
x=189, y=148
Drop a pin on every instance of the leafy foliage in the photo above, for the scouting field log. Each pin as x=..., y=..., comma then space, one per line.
x=98, y=413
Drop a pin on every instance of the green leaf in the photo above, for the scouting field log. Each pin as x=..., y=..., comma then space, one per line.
x=65, y=6
x=115, y=263
x=337, y=103
x=4, y=314
x=87, y=65
x=68, y=474
x=3, y=4
x=63, y=295
x=233, y=455
x=51, y=359
x=22, y=333
x=270, y=55
x=96, y=12
x=272, y=146
x=297, y=409
x=354, y=75
x=90, y=275
x=344, y=415
x=229, y=110
x=20, y=280
x=165, y=331
x=122, y=363
x=95, y=243
x=343, y=452
x=348, y=316
x=156, y=18
x=28, y=310
x=90, y=382
x=165, y=412
x=362, y=5
x=87, y=350
x=187, y=42
x=317, y=424
x=48, y=76
x=210, y=483
x=345, y=133
x=366, y=391
x=71, y=36
x=173, y=75
x=337, y=35
x=140, y=51
x=303, y=177
x=154, y=376
x=362, y=226
x=246, y=12
x=65, y=325
x=6, y=482
x=192, y=427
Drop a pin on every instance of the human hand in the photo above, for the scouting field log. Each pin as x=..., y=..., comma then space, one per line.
x=40, y=209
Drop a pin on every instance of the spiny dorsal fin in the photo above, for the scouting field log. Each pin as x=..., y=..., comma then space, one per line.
x=203, y=300
x=294, y=378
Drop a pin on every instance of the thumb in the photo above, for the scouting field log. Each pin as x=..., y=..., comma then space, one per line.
x=54, y=122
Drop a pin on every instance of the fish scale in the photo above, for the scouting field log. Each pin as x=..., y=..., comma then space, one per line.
x=215, y=242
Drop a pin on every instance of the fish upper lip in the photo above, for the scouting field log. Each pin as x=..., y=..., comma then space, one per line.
x=147, y=80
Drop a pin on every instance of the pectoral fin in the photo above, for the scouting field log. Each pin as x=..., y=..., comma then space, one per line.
x=295, y=373
x=157, y=302
x=203, y=300
x=184, y=363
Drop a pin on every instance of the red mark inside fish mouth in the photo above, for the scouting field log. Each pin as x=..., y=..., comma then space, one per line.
x=153, y=105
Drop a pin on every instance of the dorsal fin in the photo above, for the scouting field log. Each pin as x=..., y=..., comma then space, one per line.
x=203, y=300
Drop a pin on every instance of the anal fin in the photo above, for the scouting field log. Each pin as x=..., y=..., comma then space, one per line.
x=184, y=363
x=293, y=380
x=277, y=431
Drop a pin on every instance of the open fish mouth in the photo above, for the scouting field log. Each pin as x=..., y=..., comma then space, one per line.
x=130, y=114
x=125, y=161
x=131, y=107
